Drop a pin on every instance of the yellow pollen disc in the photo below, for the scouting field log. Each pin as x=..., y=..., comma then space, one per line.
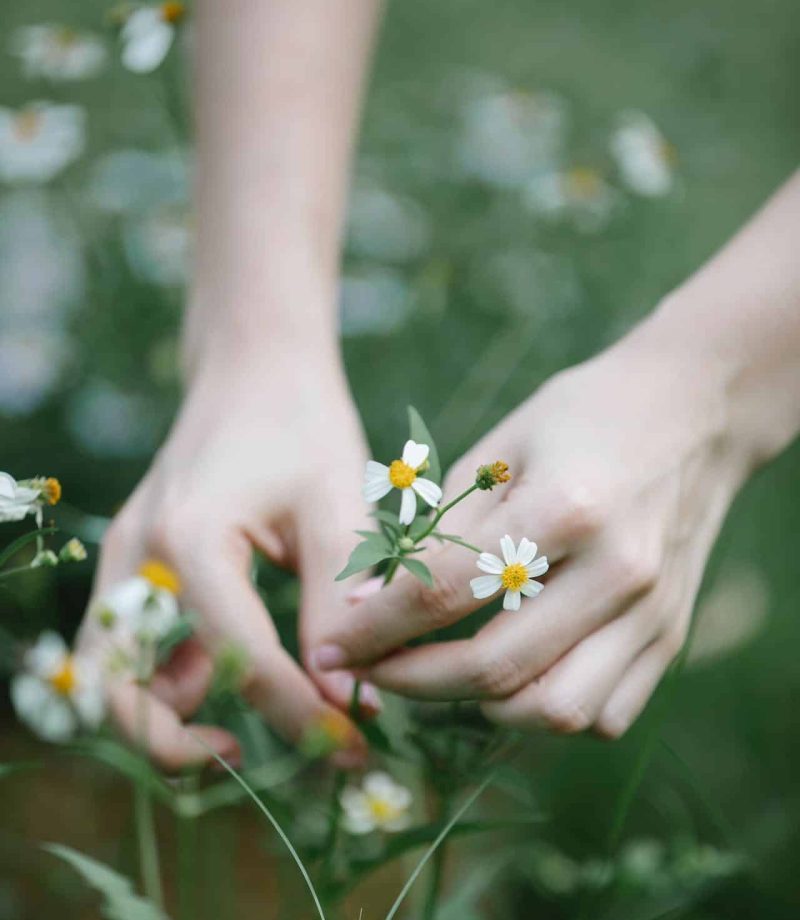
x=160, y=576
x=583, y=182
x=52, y=490
x=27, y=124
x=382, y=811
x=63, y=681
x=514, y=576
x=336, y=728
x=172, y=12
x=401, y=475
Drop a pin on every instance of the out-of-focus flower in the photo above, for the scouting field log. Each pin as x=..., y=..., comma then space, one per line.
x=384, y=226
x=139, y=181
x=72, y=551
x=58, y=692
x=144, y=607
x=373, y=302
x=579, y=195
x=44, y=559
x=40, y=140
x=30, y=368
x=491, y=475
x=58, y=52
x=643, y=862
x=515, y=572
x=159, y=246
x=17, y=500
x=403, y=474
x=554, y=870
x=509, y=138
x=148, y=34
x=109, y=423
x=333, y=732
x=378, y=804
x=646, y=161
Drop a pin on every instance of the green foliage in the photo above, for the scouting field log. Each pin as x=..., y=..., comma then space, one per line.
x=418, y=431
x=418, y=570
x=366, y=555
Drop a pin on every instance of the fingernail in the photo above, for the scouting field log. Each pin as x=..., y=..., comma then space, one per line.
x=328, y=657
x=370, y=698
x=365, y=589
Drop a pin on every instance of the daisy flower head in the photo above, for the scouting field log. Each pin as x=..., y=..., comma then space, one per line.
x=645, y=159
x=58, y=53
x=148, y=34
x=40, y=140
x=57, y=693
x=403, y=474
x=378, y=804
x=144, y=607
x=515, y=572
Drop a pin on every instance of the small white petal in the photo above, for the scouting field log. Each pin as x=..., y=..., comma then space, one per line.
x=47, y=656
x=537, y=567
x=379, y=784
x=408, y=506
x=512, y=600
x=526, y=551
x=509, y=550
x=375, y=491
x=415, y=454
x=428, y=491
x=8, y=486
x=485, y=586
x=376, y=470
x=399, y=823
x=532, y=588
x=488, y=562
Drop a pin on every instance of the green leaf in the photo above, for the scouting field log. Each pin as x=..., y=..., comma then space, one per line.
x=386, y=517
x=120, y=902
x=377, y=737
x=418, y=431
x=453, y=538
x=376, y=539
x=13, y=548
x=418, y=570
x=364, y=556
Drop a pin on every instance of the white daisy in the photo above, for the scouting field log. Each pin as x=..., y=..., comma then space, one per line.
x=579, y=195
x=646, y=161
x=58, y=52
x=403, y=474
x=148, y=34
x=379, y=804
x=144, y=607
x=516, y=574
x=17, y=500
x=58, y=692
x=39, y=141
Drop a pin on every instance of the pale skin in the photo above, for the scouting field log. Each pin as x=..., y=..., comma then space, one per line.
x=624, y=467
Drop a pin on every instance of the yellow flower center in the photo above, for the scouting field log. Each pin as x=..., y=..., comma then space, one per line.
x=160, y=576
x=401, y=475
x=66, y=37
x=514, y=576
x=336, y=728
x=381, y=810
x=64, y=680
x=51, y=490
x=172, y=12
x=583, y=182
x=27, y=124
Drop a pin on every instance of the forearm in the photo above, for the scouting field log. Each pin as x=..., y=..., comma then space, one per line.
x=278, y=86
x=737, y=321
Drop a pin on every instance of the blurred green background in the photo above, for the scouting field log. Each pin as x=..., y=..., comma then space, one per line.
x=461, y=293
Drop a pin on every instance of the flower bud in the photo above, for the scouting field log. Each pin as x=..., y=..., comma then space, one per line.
x=491, y=475
x=72, y=551
x=405, y=544
x=45, y=559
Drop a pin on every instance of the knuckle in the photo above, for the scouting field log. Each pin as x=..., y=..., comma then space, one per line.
x=578, y=512
x=634, y=572
x=672, y=642
x=171, y=535
x=439, y=602
x=496, y=677
x=562, y=714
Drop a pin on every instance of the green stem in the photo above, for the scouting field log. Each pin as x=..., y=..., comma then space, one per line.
x=187, y=828
x=443, y=511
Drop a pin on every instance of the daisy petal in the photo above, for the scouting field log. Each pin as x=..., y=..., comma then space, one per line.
x=509, y=550
x=526, y=552
x=376, y=470
x=428, y=491
x=532, y=588
x=415, y=454
x=485, y=586
x=374, y=491
x=537, y=567
x=511, y=601
x=408, y=506
x=488, y=562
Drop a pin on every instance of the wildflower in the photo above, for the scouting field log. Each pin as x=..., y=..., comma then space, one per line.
x=491, y=475
x=58, y=692
x=49, y=489
x=39, y=141
x=46, y=558
x=143, y=607
x=72, y=551
x=580, y=195
x=515, y=572
x=333, y=732
x=645, y=159
x=17, y=500
x=380, y=804
x=148, y=34
x=403, y=474
x=58, y=52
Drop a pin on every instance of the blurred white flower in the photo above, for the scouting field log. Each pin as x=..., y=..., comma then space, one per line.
x=385, y=226
x=159, y=245
x=515, y=572
x=40, y=140
x=579, y=195
x=17, y=500
x=31, y=364
x=58, y=692
x=144, y=607
x=139, y=181
x=109, y=423
x=58, y=52
x=378, y=804
x=403, y=474
x=148, y=34
x=373, y=302
x=509, y=138
x=646, y=161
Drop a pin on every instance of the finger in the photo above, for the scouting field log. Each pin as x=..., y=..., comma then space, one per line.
x=516, y=647
x=570, y=695
x=629, y=699
x=183, y=681
x=150, y=724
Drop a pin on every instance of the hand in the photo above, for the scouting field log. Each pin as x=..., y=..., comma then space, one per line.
x=623, y=469
x=252, y=464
